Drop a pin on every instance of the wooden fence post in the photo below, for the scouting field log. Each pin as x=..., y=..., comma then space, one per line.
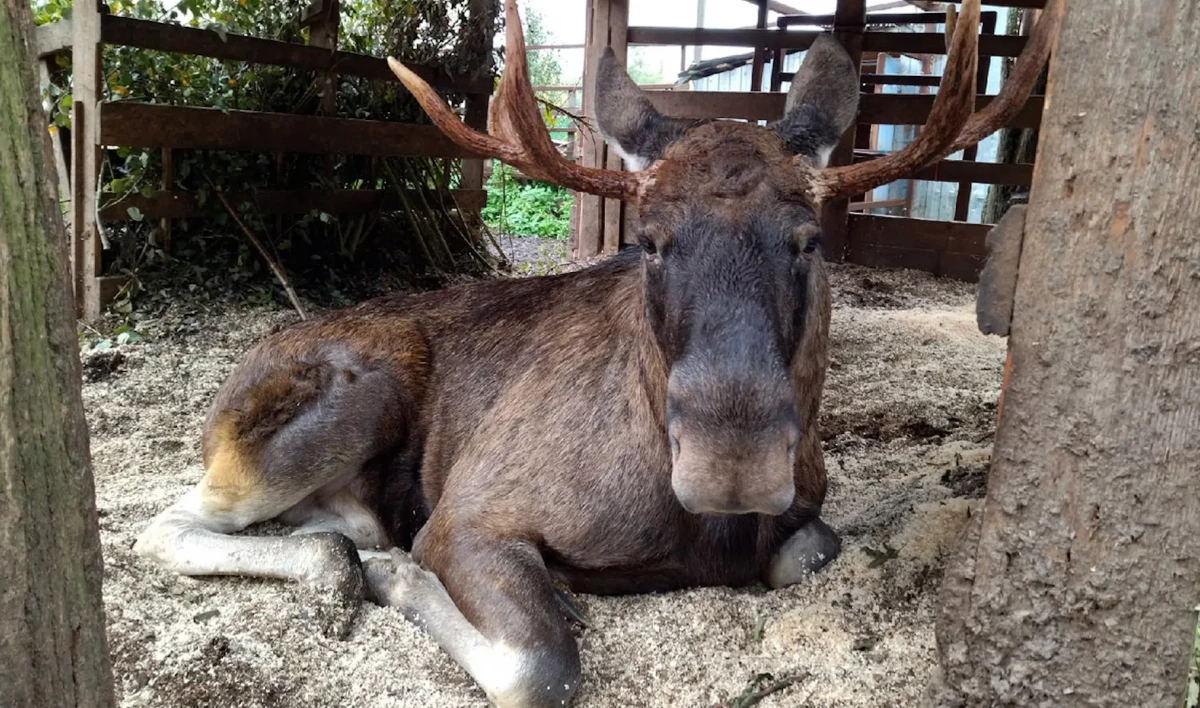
x=849, y=24
x=962, y=203
x=476, y=113
x=618, y=25
x=87, y=248
x=1077, y=582
x=591, y=207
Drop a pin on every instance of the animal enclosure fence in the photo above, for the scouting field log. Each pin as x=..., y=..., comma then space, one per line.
x=98, y=124
x=951, y=248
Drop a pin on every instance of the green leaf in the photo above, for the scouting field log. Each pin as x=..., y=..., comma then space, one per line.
x=135, y=213
x=103, y=345
x=128, y=337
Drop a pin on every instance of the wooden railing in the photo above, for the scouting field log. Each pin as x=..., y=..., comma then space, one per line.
x=97, y=123
x=956, y=247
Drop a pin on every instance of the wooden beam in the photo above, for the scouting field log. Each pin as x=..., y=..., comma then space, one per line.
x=168, y=204
x=883, y=109
x=894, y=79
x=849, y=19
x=995, y=45
x=894, y=42
x=962, y=201
x=618, y=24
x=591, y=207
x=54, y=38
x=475, y=113
x=760, y=54
x=927, y=234
x=86, y=56
x=1017, y=175
x=130, y=124
x=145, y=34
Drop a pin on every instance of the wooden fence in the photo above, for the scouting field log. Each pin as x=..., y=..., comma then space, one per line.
x=954, y=248
x=98, y=124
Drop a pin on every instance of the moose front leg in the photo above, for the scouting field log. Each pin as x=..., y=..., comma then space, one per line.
x=496, y=614
x=807, y=551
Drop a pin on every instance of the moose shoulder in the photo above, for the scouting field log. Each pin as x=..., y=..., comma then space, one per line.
x=645, y=424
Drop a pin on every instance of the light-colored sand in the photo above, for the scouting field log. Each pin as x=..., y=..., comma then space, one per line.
x=908, y=417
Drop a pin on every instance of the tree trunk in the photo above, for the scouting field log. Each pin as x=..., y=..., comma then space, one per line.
x=1077, y=582
x=53, y=652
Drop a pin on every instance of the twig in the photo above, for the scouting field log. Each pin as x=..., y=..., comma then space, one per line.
x=279, y=274
x=752, y=695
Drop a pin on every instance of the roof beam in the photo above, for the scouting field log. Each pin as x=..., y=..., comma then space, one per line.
x=779, y=7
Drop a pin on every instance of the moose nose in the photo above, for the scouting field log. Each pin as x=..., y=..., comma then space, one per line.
x=727, y=472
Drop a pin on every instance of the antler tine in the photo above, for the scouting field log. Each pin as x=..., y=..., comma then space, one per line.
x=952, y=107
x=1021, y=79
x=518, y=135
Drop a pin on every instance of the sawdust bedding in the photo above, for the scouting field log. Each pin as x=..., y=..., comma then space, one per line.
x=908, y=418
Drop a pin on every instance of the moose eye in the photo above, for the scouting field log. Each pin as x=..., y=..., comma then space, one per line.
x=805, y=239
x=648, y=245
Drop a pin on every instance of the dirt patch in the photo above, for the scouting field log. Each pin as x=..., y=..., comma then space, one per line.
x=908, y=415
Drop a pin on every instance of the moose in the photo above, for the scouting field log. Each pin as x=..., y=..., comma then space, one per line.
x=473, y=455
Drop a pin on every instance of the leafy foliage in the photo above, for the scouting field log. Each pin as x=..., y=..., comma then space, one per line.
x=531, y=209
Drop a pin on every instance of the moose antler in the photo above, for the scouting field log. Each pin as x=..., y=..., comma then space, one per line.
x=952, y=125
x=517, y=134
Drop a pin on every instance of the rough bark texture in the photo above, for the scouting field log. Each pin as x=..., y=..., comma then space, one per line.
x=1076, y=584
x=52, y=646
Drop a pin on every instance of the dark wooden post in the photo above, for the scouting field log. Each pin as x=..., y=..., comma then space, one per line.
x=760, y=54
x=962, y=204
x=591, y=207
x=618, y=30
x=323, y=18
x=87, y=248
x=849, y=23
x=53, y=652
x=1077, y=581
x=476, y=113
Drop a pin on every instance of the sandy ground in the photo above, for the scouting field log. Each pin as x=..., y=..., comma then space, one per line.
x=908, y=419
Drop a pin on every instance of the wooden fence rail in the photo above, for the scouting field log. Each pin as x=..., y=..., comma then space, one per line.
x=949, y=248
x=97, y=123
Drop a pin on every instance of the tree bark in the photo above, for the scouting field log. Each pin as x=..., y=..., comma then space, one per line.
x=1077, y=581
x=53, y=651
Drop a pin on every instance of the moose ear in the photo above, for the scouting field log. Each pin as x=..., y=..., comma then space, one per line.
x=822, y=102
x=630, y=124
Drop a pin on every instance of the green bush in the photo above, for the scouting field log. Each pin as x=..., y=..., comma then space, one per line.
x=530, y=209
x=313, y=246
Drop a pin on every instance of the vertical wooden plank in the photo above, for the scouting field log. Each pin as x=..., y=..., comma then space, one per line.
x=760, y=54
x=325, y=16
x=618, y=26
x=476, y=111
x=85, y=158
x=777, y=70
x=962, y=203
x=849, y=20
x=61, y=170
x=591, y=207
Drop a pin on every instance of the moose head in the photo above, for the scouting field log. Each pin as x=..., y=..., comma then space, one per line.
x=729, y=229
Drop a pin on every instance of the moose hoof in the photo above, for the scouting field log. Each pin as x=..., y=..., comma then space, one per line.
x=336, y=582
x=399, y=582
x=808, y=550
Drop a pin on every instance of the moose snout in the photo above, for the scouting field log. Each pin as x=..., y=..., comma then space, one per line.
x=724, y=472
